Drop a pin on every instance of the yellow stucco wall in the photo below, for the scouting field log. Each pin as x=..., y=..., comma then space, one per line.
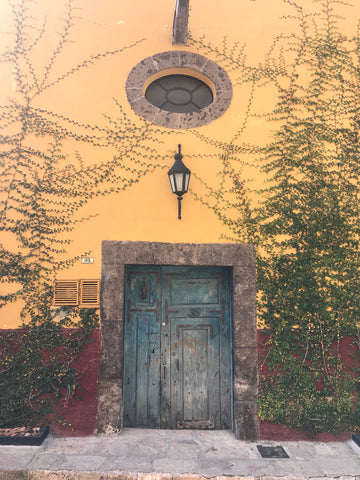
x=148, y=210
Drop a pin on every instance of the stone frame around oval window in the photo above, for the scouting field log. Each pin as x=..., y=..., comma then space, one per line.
x=184, y=62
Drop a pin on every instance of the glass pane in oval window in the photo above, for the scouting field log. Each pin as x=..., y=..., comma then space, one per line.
x=179, y=93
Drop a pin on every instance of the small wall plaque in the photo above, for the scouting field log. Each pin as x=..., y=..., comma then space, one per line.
x=87, y=259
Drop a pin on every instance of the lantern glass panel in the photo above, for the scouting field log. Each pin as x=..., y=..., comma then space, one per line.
x=179, y=181
x=172, y=183
x=187, y=179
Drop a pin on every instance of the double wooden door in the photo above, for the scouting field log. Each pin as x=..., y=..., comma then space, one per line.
x=177, y=347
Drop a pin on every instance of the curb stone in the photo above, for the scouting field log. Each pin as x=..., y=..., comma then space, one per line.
x=62, y=475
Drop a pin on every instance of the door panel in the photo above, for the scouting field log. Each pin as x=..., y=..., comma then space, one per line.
x=194, y=378
x=194, y=390
x=177, y=332
x=198, y=291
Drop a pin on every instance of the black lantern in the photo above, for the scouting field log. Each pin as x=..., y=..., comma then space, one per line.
x=179, y=176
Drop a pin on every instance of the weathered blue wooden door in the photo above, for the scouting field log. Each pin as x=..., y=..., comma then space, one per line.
x=177, y=347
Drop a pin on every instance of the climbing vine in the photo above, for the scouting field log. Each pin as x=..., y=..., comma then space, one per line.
x=44, y=184
x=305, y=221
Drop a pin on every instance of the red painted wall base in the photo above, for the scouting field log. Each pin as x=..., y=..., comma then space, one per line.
x=80, y=412
x=273, y=431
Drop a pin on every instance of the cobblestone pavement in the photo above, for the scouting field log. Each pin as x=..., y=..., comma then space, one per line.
x=136, y=454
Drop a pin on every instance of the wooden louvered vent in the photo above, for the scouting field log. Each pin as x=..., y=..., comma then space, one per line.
x=66, y=292
x=84, y=293
x=89, y=293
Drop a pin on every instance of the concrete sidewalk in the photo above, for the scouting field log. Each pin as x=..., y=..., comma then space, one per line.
x=175, y=455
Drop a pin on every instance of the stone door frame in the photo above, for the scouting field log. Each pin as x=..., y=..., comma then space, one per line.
x=115, y=256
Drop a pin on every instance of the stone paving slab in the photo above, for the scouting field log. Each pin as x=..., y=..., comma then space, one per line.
x=23, y=459
x=137, y=454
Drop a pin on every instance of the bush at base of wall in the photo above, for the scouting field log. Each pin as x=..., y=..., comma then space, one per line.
x=313, y=389
x=48, y=375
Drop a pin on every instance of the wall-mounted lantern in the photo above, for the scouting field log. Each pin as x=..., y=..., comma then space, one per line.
x=179, y=176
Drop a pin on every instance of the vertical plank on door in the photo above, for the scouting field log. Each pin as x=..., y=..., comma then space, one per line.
x=142, y=349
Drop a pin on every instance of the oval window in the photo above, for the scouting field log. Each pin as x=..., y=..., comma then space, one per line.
x=179, y=94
